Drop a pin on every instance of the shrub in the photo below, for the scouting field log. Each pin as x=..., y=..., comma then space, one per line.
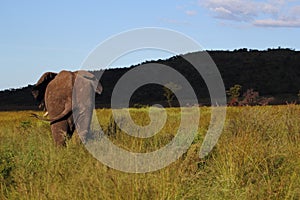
x=252, y=98
x=249, y=98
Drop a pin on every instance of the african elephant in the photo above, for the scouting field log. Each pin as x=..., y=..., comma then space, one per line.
x=68, y=98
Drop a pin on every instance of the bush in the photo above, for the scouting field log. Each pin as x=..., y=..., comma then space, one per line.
x=249, y=98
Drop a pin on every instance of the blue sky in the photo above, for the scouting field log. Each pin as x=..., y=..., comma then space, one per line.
x=40, y=36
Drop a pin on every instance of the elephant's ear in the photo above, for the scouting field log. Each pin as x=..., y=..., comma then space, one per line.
x=39, y=88
x=99, y=88
x=85, y=74
x=90, y=76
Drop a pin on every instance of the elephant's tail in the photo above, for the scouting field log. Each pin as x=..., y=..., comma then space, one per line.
x=39, y=117
x=66, y=112
x=53, y=120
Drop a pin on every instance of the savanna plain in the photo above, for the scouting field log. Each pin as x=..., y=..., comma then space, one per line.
x=256, y=157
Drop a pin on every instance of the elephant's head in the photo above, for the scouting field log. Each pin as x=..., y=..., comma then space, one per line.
x=38, y=90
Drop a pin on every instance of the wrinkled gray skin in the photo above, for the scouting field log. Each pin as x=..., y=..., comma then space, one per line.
x=68, y=98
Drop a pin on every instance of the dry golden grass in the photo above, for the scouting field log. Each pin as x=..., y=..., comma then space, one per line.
x=257, y=157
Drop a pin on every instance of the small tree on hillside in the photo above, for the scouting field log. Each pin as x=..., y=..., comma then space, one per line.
x=234, y=93
x=169, y=90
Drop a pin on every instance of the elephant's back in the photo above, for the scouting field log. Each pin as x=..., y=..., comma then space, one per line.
x=58, y=92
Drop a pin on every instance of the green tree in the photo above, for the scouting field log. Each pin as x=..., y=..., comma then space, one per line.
x=234, y=93
x=169, y=90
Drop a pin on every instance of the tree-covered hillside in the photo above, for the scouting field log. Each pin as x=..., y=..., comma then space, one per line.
x=274, y=72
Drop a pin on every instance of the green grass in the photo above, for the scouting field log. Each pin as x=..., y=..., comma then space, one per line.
x=257, y=157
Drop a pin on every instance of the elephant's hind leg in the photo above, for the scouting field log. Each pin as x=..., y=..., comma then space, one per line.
x=71, y=127
x=59, y=132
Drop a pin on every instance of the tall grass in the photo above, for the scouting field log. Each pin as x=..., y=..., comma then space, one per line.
x=256, y=157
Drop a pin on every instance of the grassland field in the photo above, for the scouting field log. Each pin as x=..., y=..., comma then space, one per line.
x=256, y=157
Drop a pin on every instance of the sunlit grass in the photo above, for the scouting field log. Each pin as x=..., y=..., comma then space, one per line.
x=256, y=157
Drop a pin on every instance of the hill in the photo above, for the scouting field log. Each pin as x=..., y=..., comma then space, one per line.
x=273, y=72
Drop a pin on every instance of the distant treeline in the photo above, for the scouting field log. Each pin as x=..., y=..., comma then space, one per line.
x=272, y=73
